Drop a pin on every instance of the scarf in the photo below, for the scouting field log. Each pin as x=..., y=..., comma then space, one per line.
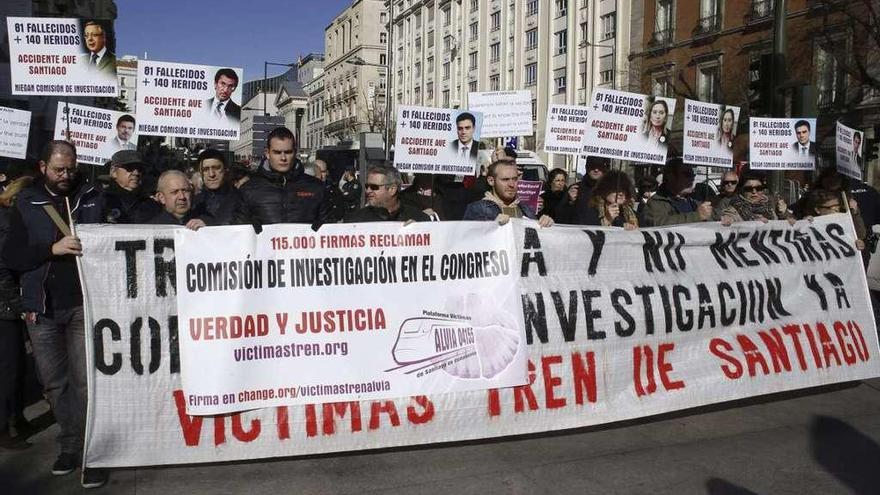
x=751, y=211
x=512, y=210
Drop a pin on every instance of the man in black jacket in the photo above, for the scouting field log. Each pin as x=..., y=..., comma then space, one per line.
x=280, y=191
x=219, y=198
x=383, y=200
x=41, y=248
x=175, y=196
x=126, y=202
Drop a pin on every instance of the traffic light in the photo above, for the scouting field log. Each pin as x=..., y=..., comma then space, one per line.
x=761, y=86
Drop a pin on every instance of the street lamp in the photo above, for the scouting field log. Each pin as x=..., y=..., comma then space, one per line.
x=266, y=79
x=613, y=59
x=359, y=61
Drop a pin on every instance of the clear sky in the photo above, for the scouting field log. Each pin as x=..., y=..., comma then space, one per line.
x=235, y=33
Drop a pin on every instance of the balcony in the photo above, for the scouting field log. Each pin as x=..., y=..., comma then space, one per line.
x=707, y=26
x=661, y=38
x=760, y=11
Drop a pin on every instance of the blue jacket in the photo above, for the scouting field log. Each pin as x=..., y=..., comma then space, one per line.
x=28, y=249
x=487, y=210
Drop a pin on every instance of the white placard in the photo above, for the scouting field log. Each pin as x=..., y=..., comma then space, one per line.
x=14, y=128
x=629, y=126
x=782, y=144
x=566, y=130
x=97, y=133
x=709, y=133
x=199, y=101
x=437, y=140
x=61, y=56
x=410, y=313
x=848, y=147
x=505, y=113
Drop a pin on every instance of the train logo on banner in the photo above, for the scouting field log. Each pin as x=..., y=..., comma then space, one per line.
x=62, y=56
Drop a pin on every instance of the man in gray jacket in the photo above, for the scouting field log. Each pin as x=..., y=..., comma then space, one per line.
x=671, y=204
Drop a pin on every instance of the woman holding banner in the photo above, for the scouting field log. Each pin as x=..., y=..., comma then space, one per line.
x=655, y=122
x=751, y=203
x=612, y=203
x=726, y=129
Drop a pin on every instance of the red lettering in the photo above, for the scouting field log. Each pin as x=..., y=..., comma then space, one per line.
x=191, y=425
x=311, y=421
x=239, y=433
x=427, y=413
x=550, y=382
x=828, y=349
x=494, y=402
x=584, y=376
x=793, y=331
x=282, y=422
x=849, y=353
x=753, y=356
x=813, y=349
x=665, y=368
x=387, y=407
x=339, y=408
x=651, y=386
x=524, y=392
x=858, y=331
x=776, y=347
x=732, y=369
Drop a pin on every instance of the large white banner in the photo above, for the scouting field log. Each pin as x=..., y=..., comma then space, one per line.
x=61, y=56
x=353, y=312
x=848, y=146
x=97, y=133
x=15, y=126
x=437, y=140
x=199, y=101
x=566, y=130
x=782, y=144
x=629, y=126
x=505, y=113
x=618, y=325
x=709, y=132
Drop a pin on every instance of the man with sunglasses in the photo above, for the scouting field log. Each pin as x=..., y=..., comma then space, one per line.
x=126, y=201
x=729, y=182
x=41, y=248
x=382, y=191
x=671, y=205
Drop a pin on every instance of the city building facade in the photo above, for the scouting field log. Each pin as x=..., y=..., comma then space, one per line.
x=311, y=76
x=560, y=50
x=126, y=75
x=355, y=44
x=709, y=53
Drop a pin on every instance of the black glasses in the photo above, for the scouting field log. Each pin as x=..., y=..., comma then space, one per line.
x=375, y=187
x=753, y=189
x=729, y=182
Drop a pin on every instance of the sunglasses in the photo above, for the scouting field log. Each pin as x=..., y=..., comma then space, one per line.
x=729, y=182
x=375, y=187
x=753, y=188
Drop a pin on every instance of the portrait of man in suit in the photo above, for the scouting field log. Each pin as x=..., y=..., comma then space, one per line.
x=803, y=146
x=220, y=106
x=465, y=148
x=124, y=132
x=857, y=146
x=98, y=58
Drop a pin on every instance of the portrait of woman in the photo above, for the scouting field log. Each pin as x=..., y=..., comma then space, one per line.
x=726, y=129
x=655, y=122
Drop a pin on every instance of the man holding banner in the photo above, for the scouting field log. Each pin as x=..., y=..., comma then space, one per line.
x=501, y=203
x=42, y=248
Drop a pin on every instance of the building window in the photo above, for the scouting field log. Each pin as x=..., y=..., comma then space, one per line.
x=472, y=61
x=559, y=84
x=609, y=23
x=430, y=65
x=584, y=32
x=495, y=21
x=447, y=44
x=830, y=75
x=418, y=44
x=417, y=94
x=430, y=42
x=475, y=5
x=399, y=77
x=430, y=14
x=582, y=74
x=383, y=18
x=382, y=59
x=663, y=21
x=532, y=39
x=494, y=83
x=661, y=85
x=445, y=71
x=561, y=8
x=494, y=52
x=429, y=91
x=561, y=42
x=445, y=98
x=531, y=74
x=709, y=82
x=447, y=16
x=531, y=8
x=710, y=16
x=472, y=86
x=606, y=76
x=475, y=30
x=417, y=69
x=534, y=109
x=383, y=38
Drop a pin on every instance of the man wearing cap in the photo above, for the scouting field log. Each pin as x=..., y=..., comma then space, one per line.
x=126, y=202
x=671, y=205
x=42, y=249
x=218, y=197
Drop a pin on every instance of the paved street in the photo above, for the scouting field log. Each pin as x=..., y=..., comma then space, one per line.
x=818, y=441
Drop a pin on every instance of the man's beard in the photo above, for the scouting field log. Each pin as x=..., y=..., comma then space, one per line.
x=62, y=187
